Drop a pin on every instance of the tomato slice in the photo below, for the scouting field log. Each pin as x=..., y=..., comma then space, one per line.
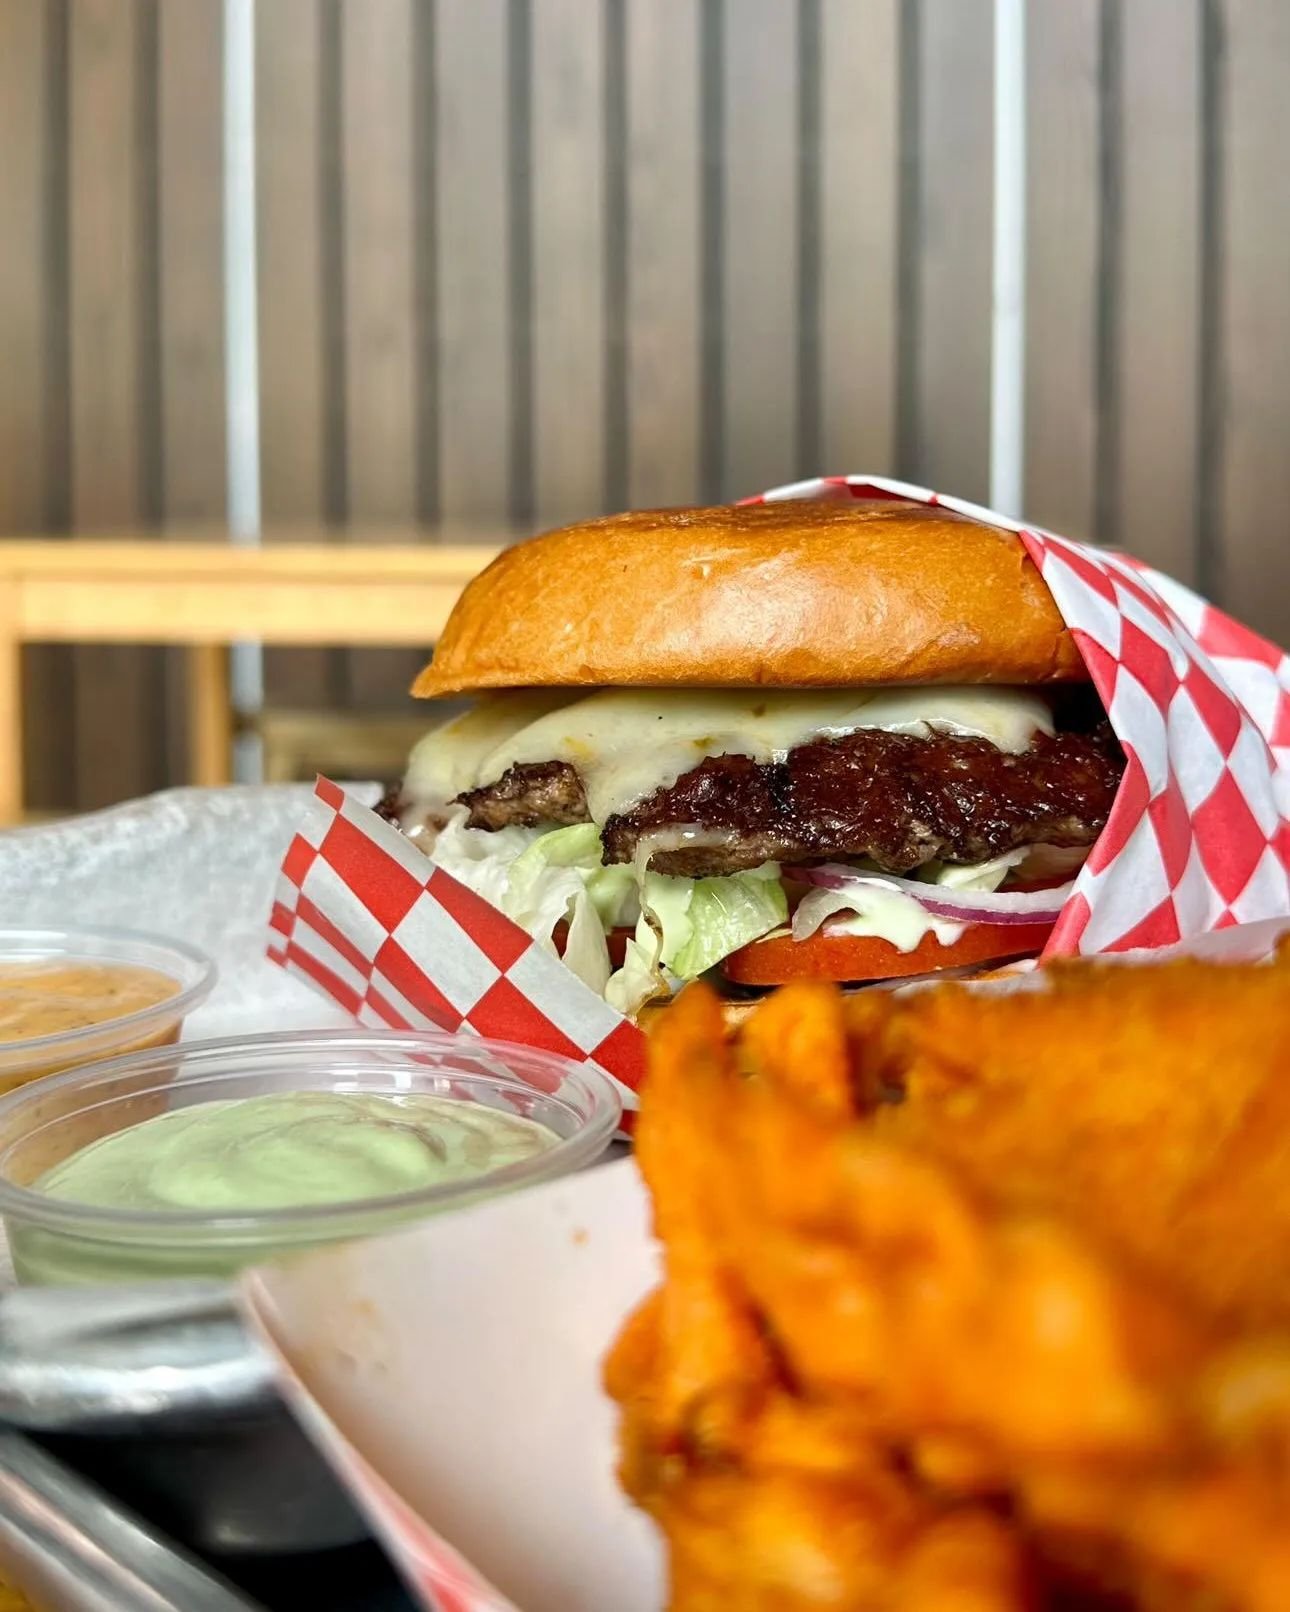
x=866, y=957
x=616, y=938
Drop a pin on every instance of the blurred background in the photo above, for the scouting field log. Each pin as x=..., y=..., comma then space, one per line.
x=448, y=271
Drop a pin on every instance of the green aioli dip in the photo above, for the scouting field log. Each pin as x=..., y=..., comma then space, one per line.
x=289, y=1149
x=246, y=1155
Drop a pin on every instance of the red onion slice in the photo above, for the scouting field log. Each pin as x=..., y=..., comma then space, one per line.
x=957, y=906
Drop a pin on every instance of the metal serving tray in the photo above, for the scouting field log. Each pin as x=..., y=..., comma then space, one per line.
x=158, y=1394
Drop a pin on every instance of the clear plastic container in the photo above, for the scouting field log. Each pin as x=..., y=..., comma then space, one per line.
x=54, y=1240
x=193, y=974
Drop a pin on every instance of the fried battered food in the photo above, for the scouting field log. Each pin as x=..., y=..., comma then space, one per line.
x=1151, y=1103
x=972, y=1302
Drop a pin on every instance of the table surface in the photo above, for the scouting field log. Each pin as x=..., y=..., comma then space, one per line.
x=353, y=1578
x=356, y=1579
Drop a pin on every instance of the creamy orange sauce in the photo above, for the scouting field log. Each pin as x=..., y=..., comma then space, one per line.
x=40, y=999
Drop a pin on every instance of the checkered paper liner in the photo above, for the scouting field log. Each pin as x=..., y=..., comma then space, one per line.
x=399, y=943
x=1198, y=837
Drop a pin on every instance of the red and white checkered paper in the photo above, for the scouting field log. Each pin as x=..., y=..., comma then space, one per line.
x=1198, y=838
x=386, y=933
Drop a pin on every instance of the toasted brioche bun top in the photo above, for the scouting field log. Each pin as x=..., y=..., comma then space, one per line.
x=798, y=594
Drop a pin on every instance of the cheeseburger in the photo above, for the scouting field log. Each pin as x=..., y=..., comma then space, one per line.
x=847, y=740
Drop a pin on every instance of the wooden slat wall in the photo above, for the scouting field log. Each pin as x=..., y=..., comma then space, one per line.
x=565, y=143
x=476, y=276
x=1248, y=558
x=523, y=260
x=1157, y=269
x=33, y=348
x=1064, y=154
x=1115, y=263
x=302, y=449
x=859, y=157
x=111, y=384
x=1158, y=286
x=949, y=84
x=190, y=290
x=117, y=692
x=190, y=178
x=662, y=404
x=28, y=284
x=380, y=212
x=760, y=231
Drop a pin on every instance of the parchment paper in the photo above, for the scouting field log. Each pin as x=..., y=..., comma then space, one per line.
x=197, y=864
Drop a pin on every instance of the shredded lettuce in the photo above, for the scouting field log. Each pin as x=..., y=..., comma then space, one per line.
x=576, y=850
x=561, y=876
x=704, y=920
x=683, y=926
x=642, y=978
x=665, y=903
x=540, y=880
x=586, y=951
x=482, y=862
x=689, y=925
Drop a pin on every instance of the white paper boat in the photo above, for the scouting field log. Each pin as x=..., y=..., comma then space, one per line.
x=452, y=1373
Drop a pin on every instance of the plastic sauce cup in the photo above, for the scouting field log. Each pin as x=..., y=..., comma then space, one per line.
x=190, y=971
x=53, y=1240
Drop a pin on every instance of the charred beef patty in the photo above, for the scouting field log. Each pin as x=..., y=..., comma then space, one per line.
x=390, y=805
x=896, y=800
x=536, y=792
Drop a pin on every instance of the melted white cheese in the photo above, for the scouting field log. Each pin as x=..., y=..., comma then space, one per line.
x=450, y=756
x=628, y=743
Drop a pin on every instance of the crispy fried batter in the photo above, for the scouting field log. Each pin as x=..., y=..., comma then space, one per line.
x=1154, y=1104
x=1018, y=1341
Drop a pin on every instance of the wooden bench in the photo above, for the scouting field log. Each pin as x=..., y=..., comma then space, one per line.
x=205, y=595
x=344, y=744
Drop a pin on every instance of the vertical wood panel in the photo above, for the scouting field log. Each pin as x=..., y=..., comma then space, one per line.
x=289, y=221
x=568, y=156
x=1158, y=292
x=107, y=267
x=663, y=243
x=760, y=96
x=118, y=690
x=11, y=744
x=25, y=201
x=190, y=167
x=1063, y=243
x=473, y=246
x=376, y=122
x=294, y=376
x=379, y=170
x=32, y=449
x=859, y=202
x=1253, y=565
x=947, y=438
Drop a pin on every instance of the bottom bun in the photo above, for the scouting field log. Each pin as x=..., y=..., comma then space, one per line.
x=734, y=1010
